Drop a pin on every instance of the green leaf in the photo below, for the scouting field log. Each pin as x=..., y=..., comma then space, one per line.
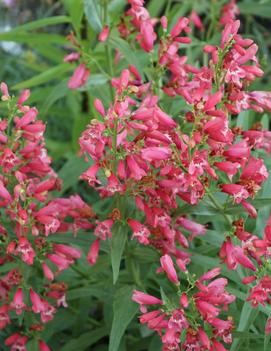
x=124, y=310
x=95, y=80
x=145, y=254
x=119, y=238
x=50, y=21
x=245, y=335
x=213, y=237
x=76, y=10
x=247, y=317
x=57, y=148
x=155, y=344
x=7, y=267
x=266, y=341
x=92, y=11
x=71, y=171
x=44, y=77
x=57, y=92
x=82, y=292
x=32, y=38
x=127, y=52
x=85, y=340
x=49, y=51
x=33, y=345
x=79, y=126
x=257, y=203
x=255, y=9
x=200, y=209
x=244, y=120
x=166, y=300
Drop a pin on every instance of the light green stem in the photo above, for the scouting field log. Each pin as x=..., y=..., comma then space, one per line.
x=218, y=206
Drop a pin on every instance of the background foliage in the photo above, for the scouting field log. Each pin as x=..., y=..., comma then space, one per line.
x=32, y=46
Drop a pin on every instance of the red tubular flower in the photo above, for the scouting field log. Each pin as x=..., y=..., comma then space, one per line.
x=249, y=208
x=231, y=168
x=210, y=274
x=43, y=346
x=268, y=326
x=140, y=232
x=74, y=56
x=205, y=341
x=145, y=299
x=61, y=262
x=68, y=251
x=47, y=271
x=93, y=252
x=37, y=304
x=103, y=229
x=184, y=300
x=147, y=36
x=4, y=316
x=218, y=130
x=99, y=107
x=135, y=171
x=4, y=194
x=168, y=268
x=191, y=226
x=238, y=192
x=17, y=303
x=17, y=342
x=104, y=34
x=195, y=19
x=218, y=346
x=79, y=77
x=26, y=251
x=155, y=153
x=233, y=255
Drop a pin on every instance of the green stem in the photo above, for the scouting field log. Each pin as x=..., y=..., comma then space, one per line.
x=218, y=206
x=111, y=73
x=211, y=28
x=107, y=50
x=169, y=3
x=92, y=59
x=78, y=271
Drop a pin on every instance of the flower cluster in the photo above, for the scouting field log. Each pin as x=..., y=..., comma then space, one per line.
x=30, y=218
x=139, y=153
x=193, y=315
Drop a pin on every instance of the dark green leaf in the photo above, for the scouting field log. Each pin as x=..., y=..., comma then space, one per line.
x=71, y=171
x=248, y=315
x=93, y=14
x=44, y=77
x=75, y=9
x=50, y=21
x=119, y=238
x=32, y=38
x=124, y=310
x=127, y=51
x=251, y=8
x=85, y=340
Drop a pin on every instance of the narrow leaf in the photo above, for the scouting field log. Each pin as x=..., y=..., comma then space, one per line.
x=118, y=241
x=50, y=21
x=247, y=317
x=43, y=77
x=124, y=310
x=71, y=171
x=85, y=340
x=92, y=11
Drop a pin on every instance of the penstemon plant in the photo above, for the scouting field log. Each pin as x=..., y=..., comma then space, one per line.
x=158, y=180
